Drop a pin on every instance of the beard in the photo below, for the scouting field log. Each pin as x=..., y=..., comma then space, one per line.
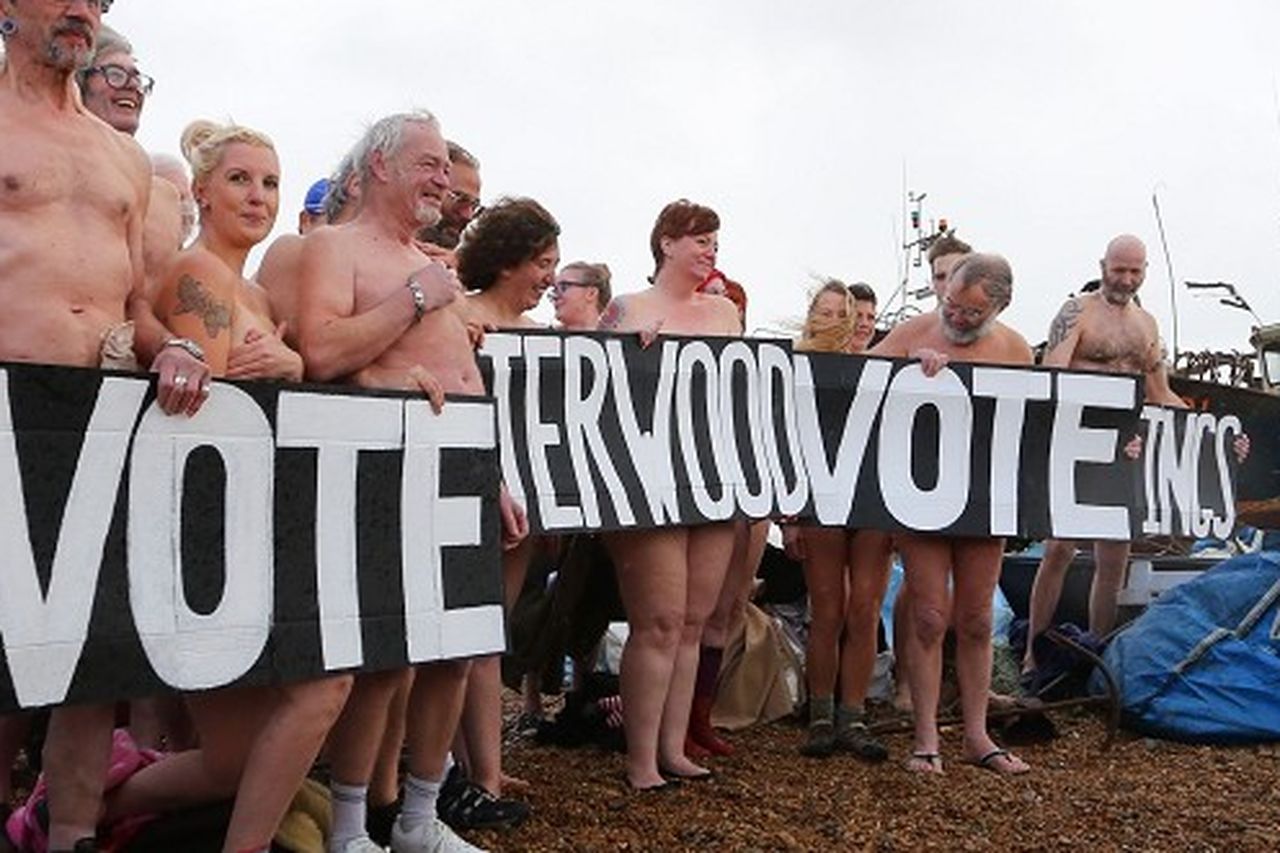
x=63, y=58
x=427, y=215
x=1116, y=295
x=965, y=337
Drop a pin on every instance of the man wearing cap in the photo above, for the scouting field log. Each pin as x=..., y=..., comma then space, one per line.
x=312, y=215
x=68, y=180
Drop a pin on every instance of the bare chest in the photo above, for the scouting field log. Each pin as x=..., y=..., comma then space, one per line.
x=47, y=167
x=1126, y=347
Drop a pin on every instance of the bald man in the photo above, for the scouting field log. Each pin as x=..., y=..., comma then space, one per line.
x=1105, y=329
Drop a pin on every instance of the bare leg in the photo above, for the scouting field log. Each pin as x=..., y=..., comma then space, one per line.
x=652, y=581
x=357, y=735
x=824, y=575
x=709, y=548
x=76, y=754
x=1110, y=559
x=868, y=554
x=903, y=631
x=227, y=721
x=1046, y=591
x=435, y=706
x=384, y=786
x=280, y=756
x=928, y=565
x=481, y=725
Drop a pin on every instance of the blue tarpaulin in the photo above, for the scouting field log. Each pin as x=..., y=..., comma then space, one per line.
x=1202, y=663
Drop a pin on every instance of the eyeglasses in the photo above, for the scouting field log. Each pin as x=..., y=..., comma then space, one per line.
x=470, y=202
x=564, y=284
x=119, y=77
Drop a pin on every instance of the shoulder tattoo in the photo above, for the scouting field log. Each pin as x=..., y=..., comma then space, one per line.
x=1063, y=324
x=195, y=298
x=611, y=319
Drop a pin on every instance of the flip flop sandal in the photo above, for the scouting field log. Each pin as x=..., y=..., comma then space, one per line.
x=987, y=762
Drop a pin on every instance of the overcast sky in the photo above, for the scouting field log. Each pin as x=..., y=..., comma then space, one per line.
x=1038, y=129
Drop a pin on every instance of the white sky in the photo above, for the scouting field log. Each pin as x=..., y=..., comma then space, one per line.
x=1038, y=129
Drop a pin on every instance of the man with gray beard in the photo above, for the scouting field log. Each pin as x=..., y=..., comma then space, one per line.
x=964, y=328
x=374, y=308
x=73, y=196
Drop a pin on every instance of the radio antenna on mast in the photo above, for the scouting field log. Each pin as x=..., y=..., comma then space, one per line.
x=1168, y=262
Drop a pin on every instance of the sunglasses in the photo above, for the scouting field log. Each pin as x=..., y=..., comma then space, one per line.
x=119, y=77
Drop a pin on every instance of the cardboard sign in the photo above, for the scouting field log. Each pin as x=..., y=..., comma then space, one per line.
x=599, y=433
x=281, y=533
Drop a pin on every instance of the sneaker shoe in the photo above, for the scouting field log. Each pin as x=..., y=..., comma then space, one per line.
x=822, y=740
x=856, y=739
x=471, y=806
x=433, y=836
x=359, y=844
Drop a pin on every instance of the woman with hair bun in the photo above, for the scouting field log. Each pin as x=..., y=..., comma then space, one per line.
x=256, y=743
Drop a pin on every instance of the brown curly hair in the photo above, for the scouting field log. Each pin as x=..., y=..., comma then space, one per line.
x=504, y=236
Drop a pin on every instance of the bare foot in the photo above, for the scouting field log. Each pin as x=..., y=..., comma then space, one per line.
x=902, y=701
x=646, y=781
x=682, y=768
x=923, y=762
x=513, y=785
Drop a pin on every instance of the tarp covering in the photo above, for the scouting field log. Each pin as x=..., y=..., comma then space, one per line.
x=1202, y=663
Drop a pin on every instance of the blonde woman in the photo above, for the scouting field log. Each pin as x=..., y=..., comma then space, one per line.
x=256, y=743
x=845, y=570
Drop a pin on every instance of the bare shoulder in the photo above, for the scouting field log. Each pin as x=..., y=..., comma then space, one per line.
x=616, y=314
x=280, y=256
x=1014, y=348
x=903, y=337
x=726, y=315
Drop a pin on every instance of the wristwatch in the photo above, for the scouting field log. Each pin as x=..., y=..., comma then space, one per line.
x=188, y=346
x=419, y=298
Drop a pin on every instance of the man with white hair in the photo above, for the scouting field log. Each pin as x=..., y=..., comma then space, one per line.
x=373, y=307
x=964, y=328
x=69, y=181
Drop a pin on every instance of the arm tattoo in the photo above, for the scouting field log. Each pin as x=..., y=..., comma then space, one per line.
x=1064, y=323
x=194, y=298
x=611, y=319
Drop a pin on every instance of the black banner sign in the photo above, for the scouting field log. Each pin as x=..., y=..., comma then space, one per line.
x=599, y=433
x=281, y=533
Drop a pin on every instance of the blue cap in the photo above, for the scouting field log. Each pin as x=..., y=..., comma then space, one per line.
x=315, y=197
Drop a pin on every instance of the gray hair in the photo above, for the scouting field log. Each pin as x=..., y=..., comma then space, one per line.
x=338, y=195
x=991, y=271
x=384, y=136
x=107, y=42
x=458, y=154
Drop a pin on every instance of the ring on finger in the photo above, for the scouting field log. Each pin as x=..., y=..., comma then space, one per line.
x=180, y=381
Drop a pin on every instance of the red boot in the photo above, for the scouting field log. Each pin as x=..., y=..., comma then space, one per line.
x=701, y=731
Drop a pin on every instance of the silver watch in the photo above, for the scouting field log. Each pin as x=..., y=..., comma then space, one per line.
x=188, y=346
x=419, y=298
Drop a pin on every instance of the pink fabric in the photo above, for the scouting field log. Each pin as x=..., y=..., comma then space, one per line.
x=127, y=758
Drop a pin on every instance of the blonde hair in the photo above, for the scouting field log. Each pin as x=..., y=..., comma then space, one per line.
x=822, y=334
x=203, y=143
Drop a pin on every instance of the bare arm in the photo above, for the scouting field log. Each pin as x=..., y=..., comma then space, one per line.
x=197, y=301
x=1064, y=334
x=614, y=315
x=1157, y=381
x=333, y=339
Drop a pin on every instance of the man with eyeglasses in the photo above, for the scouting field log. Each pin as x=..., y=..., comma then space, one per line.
x=72, y=197
x=111, y=85
x=964, y=328
x=461, y=205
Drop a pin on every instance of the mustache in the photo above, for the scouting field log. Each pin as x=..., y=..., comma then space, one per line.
x=74, y=26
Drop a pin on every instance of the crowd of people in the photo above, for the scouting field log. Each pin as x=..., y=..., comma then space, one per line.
x=109, y=258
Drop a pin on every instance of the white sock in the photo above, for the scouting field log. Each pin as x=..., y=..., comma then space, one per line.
x=419, y=802
x=349, y=806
